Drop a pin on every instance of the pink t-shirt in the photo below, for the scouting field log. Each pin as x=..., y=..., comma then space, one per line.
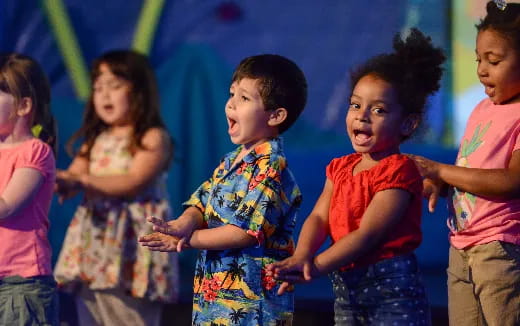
x=25, y=249
x=492, y=135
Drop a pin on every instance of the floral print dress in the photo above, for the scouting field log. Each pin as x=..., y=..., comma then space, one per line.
x=100, y=249
x=259, y=195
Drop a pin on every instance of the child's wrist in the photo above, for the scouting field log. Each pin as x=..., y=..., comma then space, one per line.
x=84, y=181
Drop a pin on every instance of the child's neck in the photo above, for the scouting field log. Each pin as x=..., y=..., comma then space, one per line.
x=121, y=130
x=16, y=137
x=369, y=160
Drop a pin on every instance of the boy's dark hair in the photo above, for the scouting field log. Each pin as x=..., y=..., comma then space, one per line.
x=413, y=69
x=21, y=76
x=143, y=98
x=282, y=84
x=506, y=22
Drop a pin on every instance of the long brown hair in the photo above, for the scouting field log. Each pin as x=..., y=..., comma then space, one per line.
x=21, y=76
x=144, y=100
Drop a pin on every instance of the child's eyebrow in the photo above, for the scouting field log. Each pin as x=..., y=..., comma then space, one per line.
x=255, y=93
x=490, y=52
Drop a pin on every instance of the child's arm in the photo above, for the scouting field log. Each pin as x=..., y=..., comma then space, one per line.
x=67, y=185
x=221, y=238
x=314, y=232
x=496, y=183
x=186, y=231
x=23, y=185
x=384, y=211
x=147, y=163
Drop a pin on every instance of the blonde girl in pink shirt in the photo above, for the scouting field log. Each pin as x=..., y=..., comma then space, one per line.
x=484, y=205
x=27, y=289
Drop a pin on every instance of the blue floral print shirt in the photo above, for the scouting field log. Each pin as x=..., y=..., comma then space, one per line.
x=260, y=196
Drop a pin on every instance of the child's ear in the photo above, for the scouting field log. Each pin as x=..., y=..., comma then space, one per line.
x=24, y=106
x=277, y=117
x=409, y=124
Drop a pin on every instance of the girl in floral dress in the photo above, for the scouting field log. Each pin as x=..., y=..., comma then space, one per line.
x=121, y=167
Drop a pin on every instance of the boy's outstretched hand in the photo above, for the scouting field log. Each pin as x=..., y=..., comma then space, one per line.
x=159, y=242
x=176, y=228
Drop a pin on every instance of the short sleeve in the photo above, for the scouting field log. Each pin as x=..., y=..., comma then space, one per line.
x=398, y=172
x=516, y=145
x=331, y=169
x=39, y=156
x=199, y=198
x=262, y=206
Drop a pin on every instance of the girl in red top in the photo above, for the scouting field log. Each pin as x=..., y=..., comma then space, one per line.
x=371, y=203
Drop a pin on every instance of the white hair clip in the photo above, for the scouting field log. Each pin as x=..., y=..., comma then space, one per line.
x=501, y=4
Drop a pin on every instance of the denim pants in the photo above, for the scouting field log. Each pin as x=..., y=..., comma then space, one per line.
x=389, y=292
x=29, y=301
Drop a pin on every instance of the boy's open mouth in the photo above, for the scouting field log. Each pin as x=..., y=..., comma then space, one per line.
x=232, y=126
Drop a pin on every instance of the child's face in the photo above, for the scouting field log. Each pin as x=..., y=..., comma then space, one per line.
x=7, y=113
x=498, y=67
x=246, y=115
x=375, y=118
x=111, y=98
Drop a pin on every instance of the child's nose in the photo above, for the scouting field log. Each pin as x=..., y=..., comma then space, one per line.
x=229, y=104
x=482, y=70
x=362, y=114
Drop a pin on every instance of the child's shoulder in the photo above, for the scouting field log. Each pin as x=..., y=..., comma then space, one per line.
x=345, y=160
x=155, y=138
x=36, y=147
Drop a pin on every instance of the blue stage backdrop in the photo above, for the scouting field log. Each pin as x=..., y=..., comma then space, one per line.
x=194, y=46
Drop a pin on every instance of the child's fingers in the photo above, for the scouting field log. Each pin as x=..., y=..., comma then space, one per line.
x=432, y=201
x=307, y=272
x=181, y=244
x=162, y=229
x=152, y=244
x=292, y=278
x=283, y=287
x=156, y=221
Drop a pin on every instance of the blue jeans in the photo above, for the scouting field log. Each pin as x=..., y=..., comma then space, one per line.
x=389, y=292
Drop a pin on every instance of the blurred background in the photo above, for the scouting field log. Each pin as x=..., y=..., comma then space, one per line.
x=194, y=47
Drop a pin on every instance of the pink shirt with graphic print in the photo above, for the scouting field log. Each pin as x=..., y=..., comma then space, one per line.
x=492, y=134
x=25, y=249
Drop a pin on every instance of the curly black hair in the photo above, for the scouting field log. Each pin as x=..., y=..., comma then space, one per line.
x=413, y=69
x=506, y=22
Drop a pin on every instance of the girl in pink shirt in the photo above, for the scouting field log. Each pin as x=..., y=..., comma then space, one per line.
x=484, y=210
x=27, y=289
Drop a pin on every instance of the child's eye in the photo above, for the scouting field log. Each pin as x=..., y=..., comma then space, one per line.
x=379, y=110
x=353, y=106
x=115, y=85
x=231, y=94
x=245, y=98
x=494, y=63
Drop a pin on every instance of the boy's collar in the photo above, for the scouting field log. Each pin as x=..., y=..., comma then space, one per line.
x=271, y=146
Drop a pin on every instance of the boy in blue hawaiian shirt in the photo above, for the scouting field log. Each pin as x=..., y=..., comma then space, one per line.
x=242, y=218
